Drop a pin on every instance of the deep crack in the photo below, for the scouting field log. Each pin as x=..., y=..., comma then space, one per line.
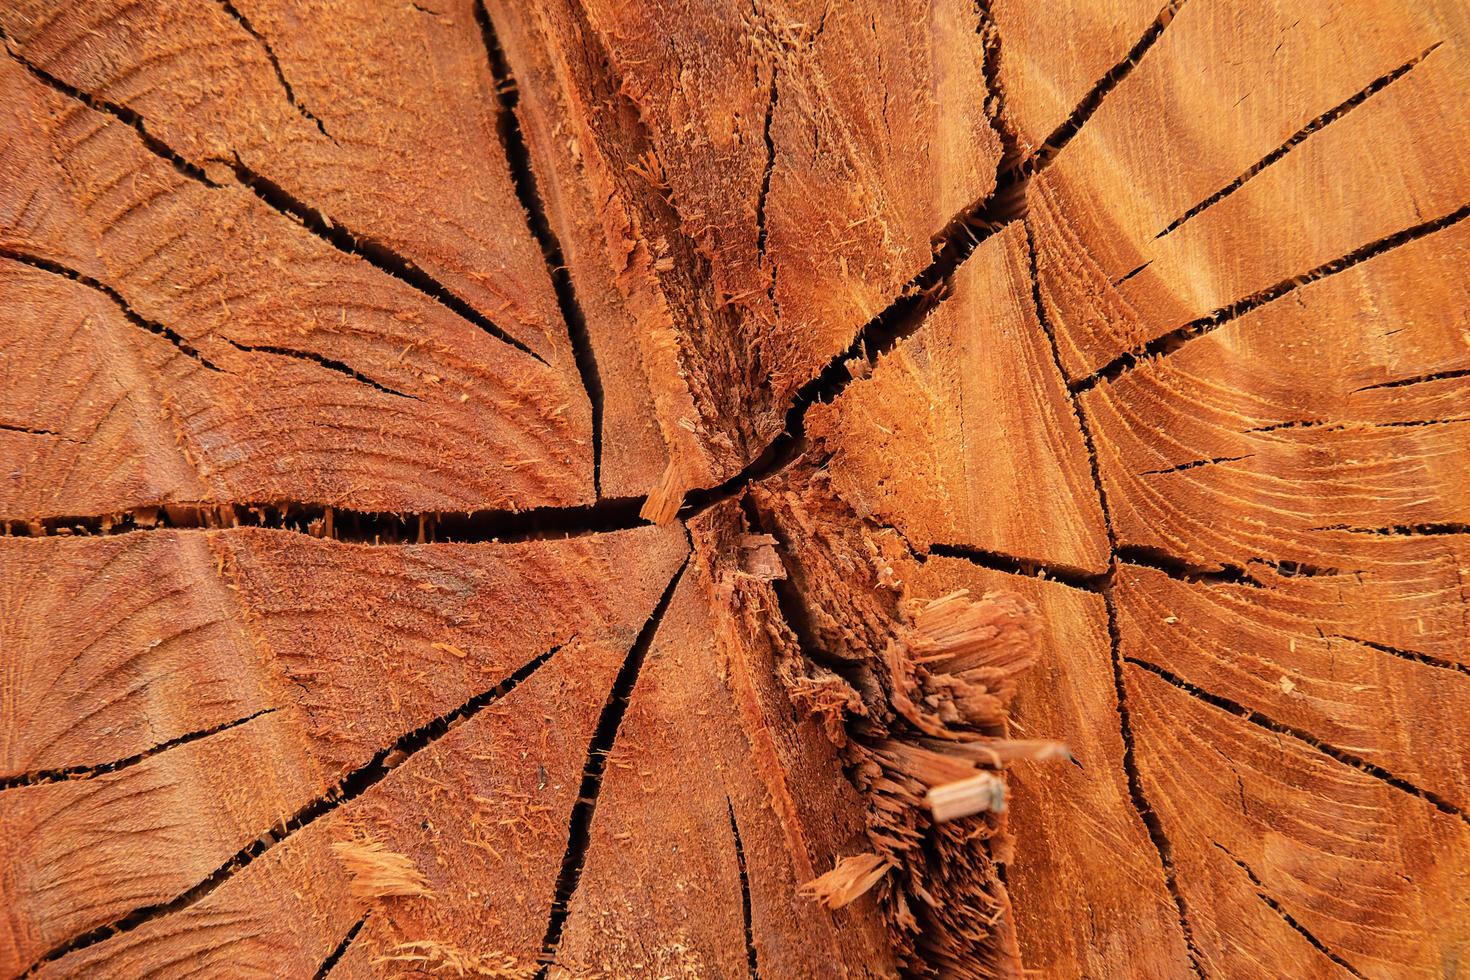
x=348, y=788
x=604, y=738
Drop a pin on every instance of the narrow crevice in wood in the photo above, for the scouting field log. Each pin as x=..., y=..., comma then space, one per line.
x=1150, y=819
x=1076, y=405
x=1301, y=735
x=1146, y=815
x=336, y=955
x=1076, y=578
x=1298, y=424
x=1100, y=90
x=7, y=427
x=270, y=54
x=899, y=320
x=1403, y=654
x=1330, y=425
x=527, y=188
x=745, y=905
x=1170, y=342
x=604, y=737
x=315, y=358
x=352, y=526
x=130, y=314
x=782, y=451
x=772, y=101
x=1430, y=529
x=1322, y=121
x=279, y=199
x=376, y=254
x=348, y=788
x=1196, y=462
x=41, y=776
x=1286, y=917
x=991, y=41
x=1287, y=568
x=1418, y=379
x=1129, y=275
x=120, y=112
x=1144, y=556
x=789, y=599
x=383, y=527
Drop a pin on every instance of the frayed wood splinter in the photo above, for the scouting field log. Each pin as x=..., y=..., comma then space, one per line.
x=848, y=881
x=378, y=872
x=980, y=793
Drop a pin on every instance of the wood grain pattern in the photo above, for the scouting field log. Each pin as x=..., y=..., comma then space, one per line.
x=1365, y=877
x=326, y=102
x=1140, y=275
x=334, y=363
x=786, y=489
x=457, y=810
x=648, y=161
x=1080, y=843
x=389, y=641
x=939, y=443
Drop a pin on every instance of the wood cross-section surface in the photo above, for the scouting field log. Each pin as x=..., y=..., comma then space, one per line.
x=570, y=489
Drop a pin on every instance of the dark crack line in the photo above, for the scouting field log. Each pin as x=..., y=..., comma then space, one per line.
x=282, y=201
x=69, y=773
x=130, y=314
x=1146, y=814
x=990, y=43
x=1321, y=122
x=745, y=903
x=1331, y=425
x=898, y=321
x=1403, y=654
x=1170, y=342
x=1423, y=529
x=315, y=358
x=523, y=178
x=354, y=526
x=1301, y=735
x=790, y=601
x=1144, y=556
x=1286, y=917
x=336, y=955
x=1100, y=90
x=1129, y=275
x=1418, y=379
x=604, y=737
x=347, y=789
x=1149, y=817
x=275, y=64
x=1076, y=578
x=8, y=427
x=1196, y=462
x=121, y=113
x=772, y=100
x=376, y=254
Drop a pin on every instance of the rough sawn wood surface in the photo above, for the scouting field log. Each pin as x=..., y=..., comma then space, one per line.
x=547, y=489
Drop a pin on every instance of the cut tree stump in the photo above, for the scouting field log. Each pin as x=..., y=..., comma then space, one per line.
x=775, y=489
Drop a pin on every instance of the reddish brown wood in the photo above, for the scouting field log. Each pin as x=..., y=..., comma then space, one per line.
x=786, y=489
